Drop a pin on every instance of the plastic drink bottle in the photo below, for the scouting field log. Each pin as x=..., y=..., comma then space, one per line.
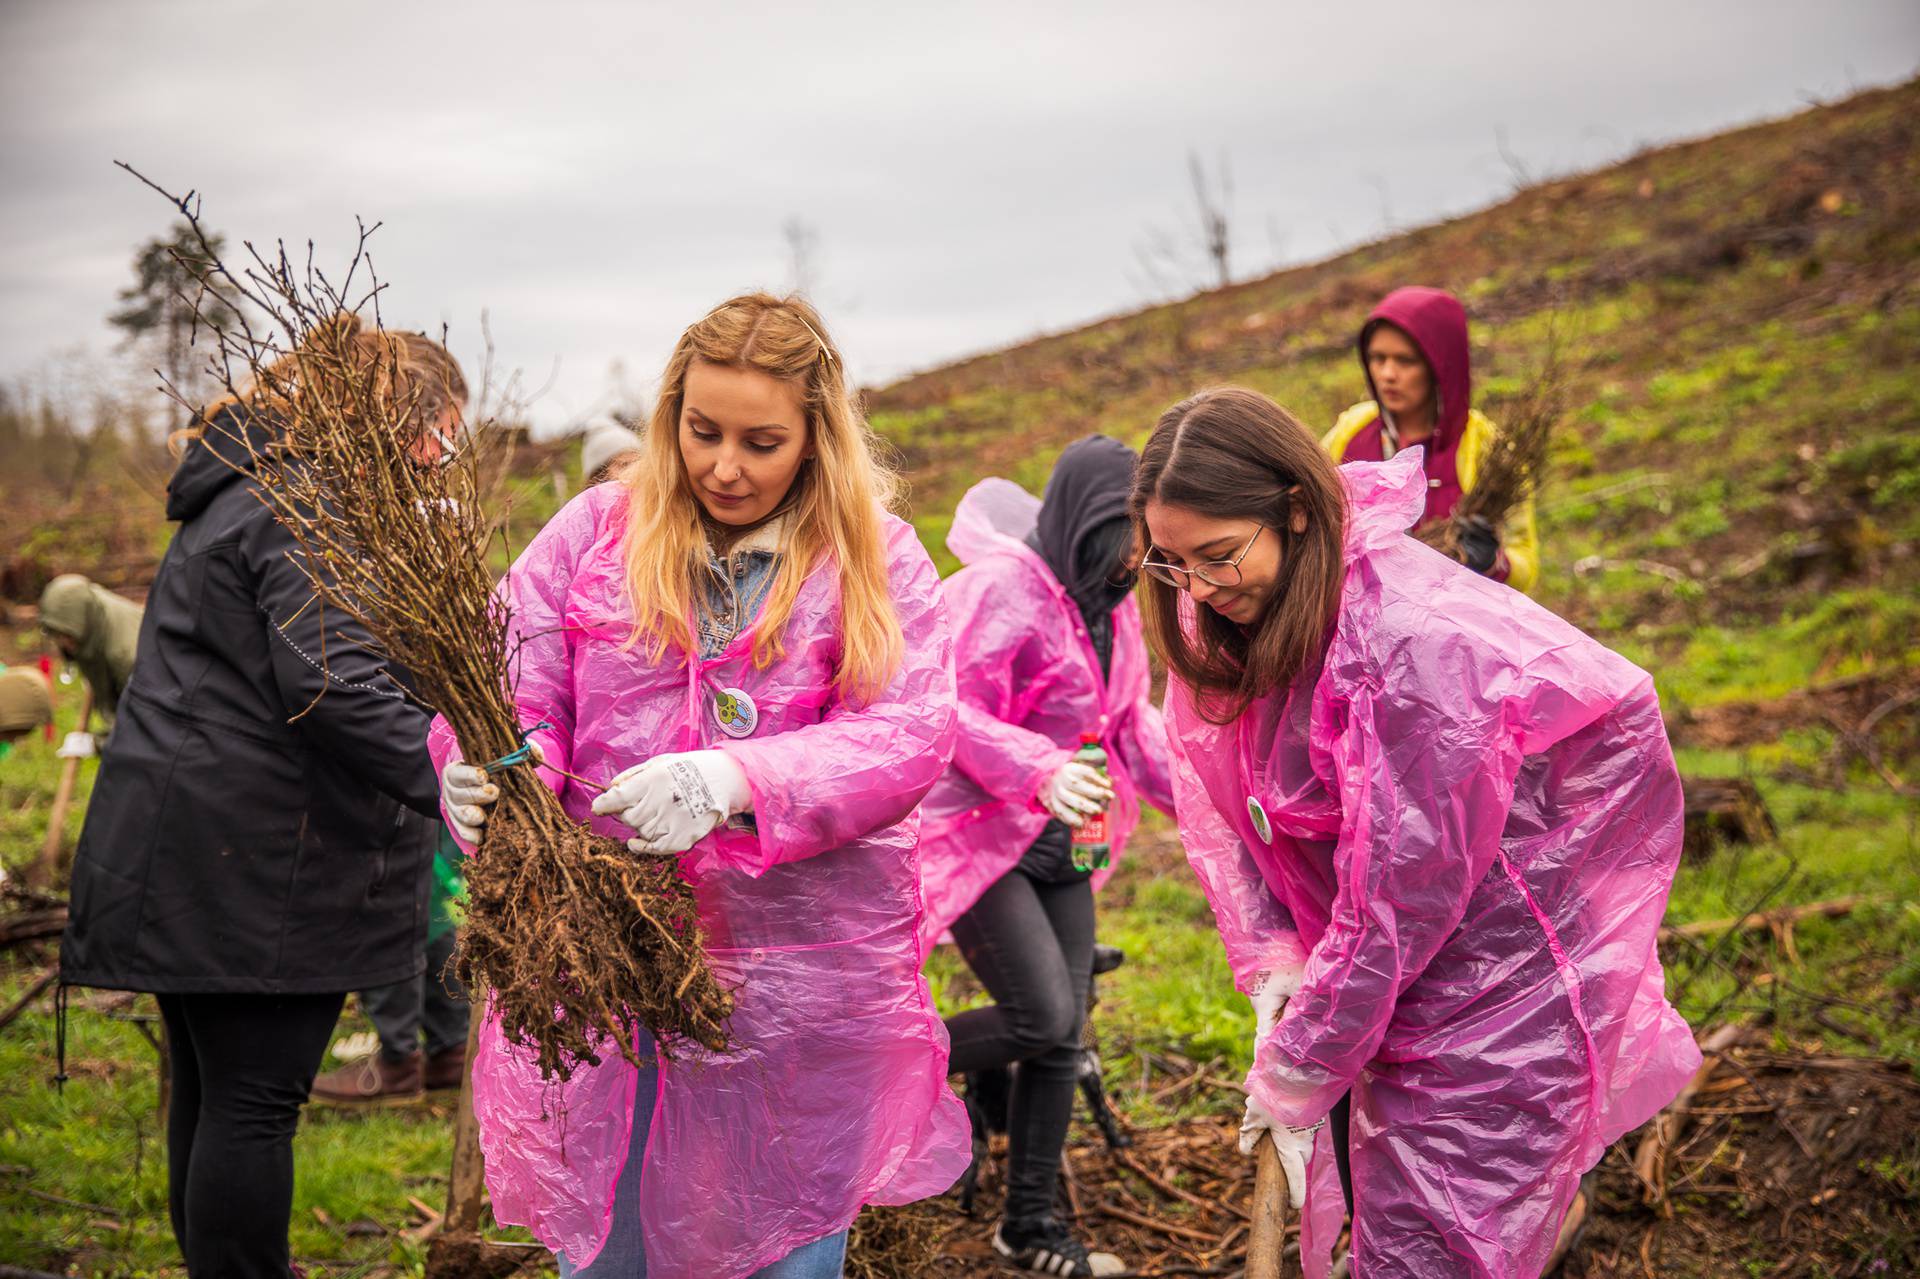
x=1092, y=847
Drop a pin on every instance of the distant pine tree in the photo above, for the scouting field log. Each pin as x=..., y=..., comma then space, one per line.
x=172, y=282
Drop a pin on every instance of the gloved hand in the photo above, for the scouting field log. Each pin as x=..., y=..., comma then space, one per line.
x=1479, y=543
x=466, y=795
x=1269, y=998
x=672, y=802
x=76, y=745
x=1293, y=1144
x=1075, y=792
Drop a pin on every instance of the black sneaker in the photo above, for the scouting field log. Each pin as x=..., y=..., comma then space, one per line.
x=1046, y=1247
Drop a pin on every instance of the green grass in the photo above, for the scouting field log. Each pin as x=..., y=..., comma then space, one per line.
x=100, y=1142
x=1864, y=841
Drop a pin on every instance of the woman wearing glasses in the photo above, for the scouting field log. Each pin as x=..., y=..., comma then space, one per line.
x=1047, y=649
x=1437, y=826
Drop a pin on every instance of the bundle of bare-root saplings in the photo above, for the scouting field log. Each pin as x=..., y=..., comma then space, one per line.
x=575, y=941
x=1510, y=472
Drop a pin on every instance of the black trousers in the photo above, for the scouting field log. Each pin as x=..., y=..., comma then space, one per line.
x=242, y=1067
x=1031, y=945
x=1340, y=1127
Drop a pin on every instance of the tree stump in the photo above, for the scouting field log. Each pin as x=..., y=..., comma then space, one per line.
x=1723, y=810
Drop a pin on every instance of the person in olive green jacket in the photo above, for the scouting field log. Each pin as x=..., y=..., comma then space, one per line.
x=1414, y=350
x=96, y=631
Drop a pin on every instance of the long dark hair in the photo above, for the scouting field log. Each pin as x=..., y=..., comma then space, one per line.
x=1235, y=454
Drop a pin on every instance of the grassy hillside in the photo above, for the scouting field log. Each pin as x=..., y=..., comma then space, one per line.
x=1734, y=503
x=1745, y=309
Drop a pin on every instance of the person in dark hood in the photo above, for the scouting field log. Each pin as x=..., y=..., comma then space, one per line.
x=1413, y=349
x=1048, y=651
x=258, y=836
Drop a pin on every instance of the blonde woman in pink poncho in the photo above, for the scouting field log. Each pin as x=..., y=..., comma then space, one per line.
x=736, y=638
x=1437, y=825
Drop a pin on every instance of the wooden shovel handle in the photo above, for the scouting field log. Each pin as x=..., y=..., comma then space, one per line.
x=1271, y=1199
x=43, y=871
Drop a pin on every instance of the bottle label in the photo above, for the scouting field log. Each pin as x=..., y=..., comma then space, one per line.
x=1092, y=849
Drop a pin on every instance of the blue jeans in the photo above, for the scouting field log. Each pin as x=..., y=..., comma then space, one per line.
x=625, y=1256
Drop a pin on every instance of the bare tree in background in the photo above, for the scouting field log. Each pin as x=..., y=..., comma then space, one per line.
x=1518, y=170
x=803, y=250
x=1212, y=206
x=1199, y=256
x=173, y=300
x=1385, y=194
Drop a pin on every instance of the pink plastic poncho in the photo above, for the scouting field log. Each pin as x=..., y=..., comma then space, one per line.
x=1475, y=821
x=837, y=1093
x=1029, y=684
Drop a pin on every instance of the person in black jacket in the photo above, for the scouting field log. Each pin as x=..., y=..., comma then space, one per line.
x=257, y=840
x=1029, y=936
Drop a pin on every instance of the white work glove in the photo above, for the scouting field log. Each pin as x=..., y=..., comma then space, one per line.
x=466, y=795
x=672, y=802
x=76, y=745
x=1075, y=793
x=1271, y=987
x=1293, y=1144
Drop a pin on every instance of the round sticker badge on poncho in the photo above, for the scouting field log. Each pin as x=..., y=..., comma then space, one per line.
x=735, y=712
x=1258, y=816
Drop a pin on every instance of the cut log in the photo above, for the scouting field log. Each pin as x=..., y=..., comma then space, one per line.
x=32, y=925
x=1723, y=810
x=1771, y=919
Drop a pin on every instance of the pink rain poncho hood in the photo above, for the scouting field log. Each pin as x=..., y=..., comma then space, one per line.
x=836, y=1095
x=1029, y=686
x=1474, y=822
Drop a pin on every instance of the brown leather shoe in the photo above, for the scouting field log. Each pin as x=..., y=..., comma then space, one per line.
x=446, y=1068
x=373, y=1079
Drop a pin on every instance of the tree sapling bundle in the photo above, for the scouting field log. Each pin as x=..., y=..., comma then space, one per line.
x=1510, y=472
x=576, y=941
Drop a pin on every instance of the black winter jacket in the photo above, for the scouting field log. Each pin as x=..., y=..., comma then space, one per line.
x=250, y=830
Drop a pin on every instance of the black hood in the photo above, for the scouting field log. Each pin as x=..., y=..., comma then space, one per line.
x=1082, y=529
x=223, y=455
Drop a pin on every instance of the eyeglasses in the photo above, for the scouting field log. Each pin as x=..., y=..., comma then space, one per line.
x=1213, y=572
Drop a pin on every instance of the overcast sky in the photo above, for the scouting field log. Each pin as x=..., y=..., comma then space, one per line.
x=597, y=176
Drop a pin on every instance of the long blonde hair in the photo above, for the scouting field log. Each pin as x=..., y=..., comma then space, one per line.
x=833, y=508
x=410, y=371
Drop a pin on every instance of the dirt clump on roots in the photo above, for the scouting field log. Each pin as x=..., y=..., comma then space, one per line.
x=902, y=1242
x=579, y=941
